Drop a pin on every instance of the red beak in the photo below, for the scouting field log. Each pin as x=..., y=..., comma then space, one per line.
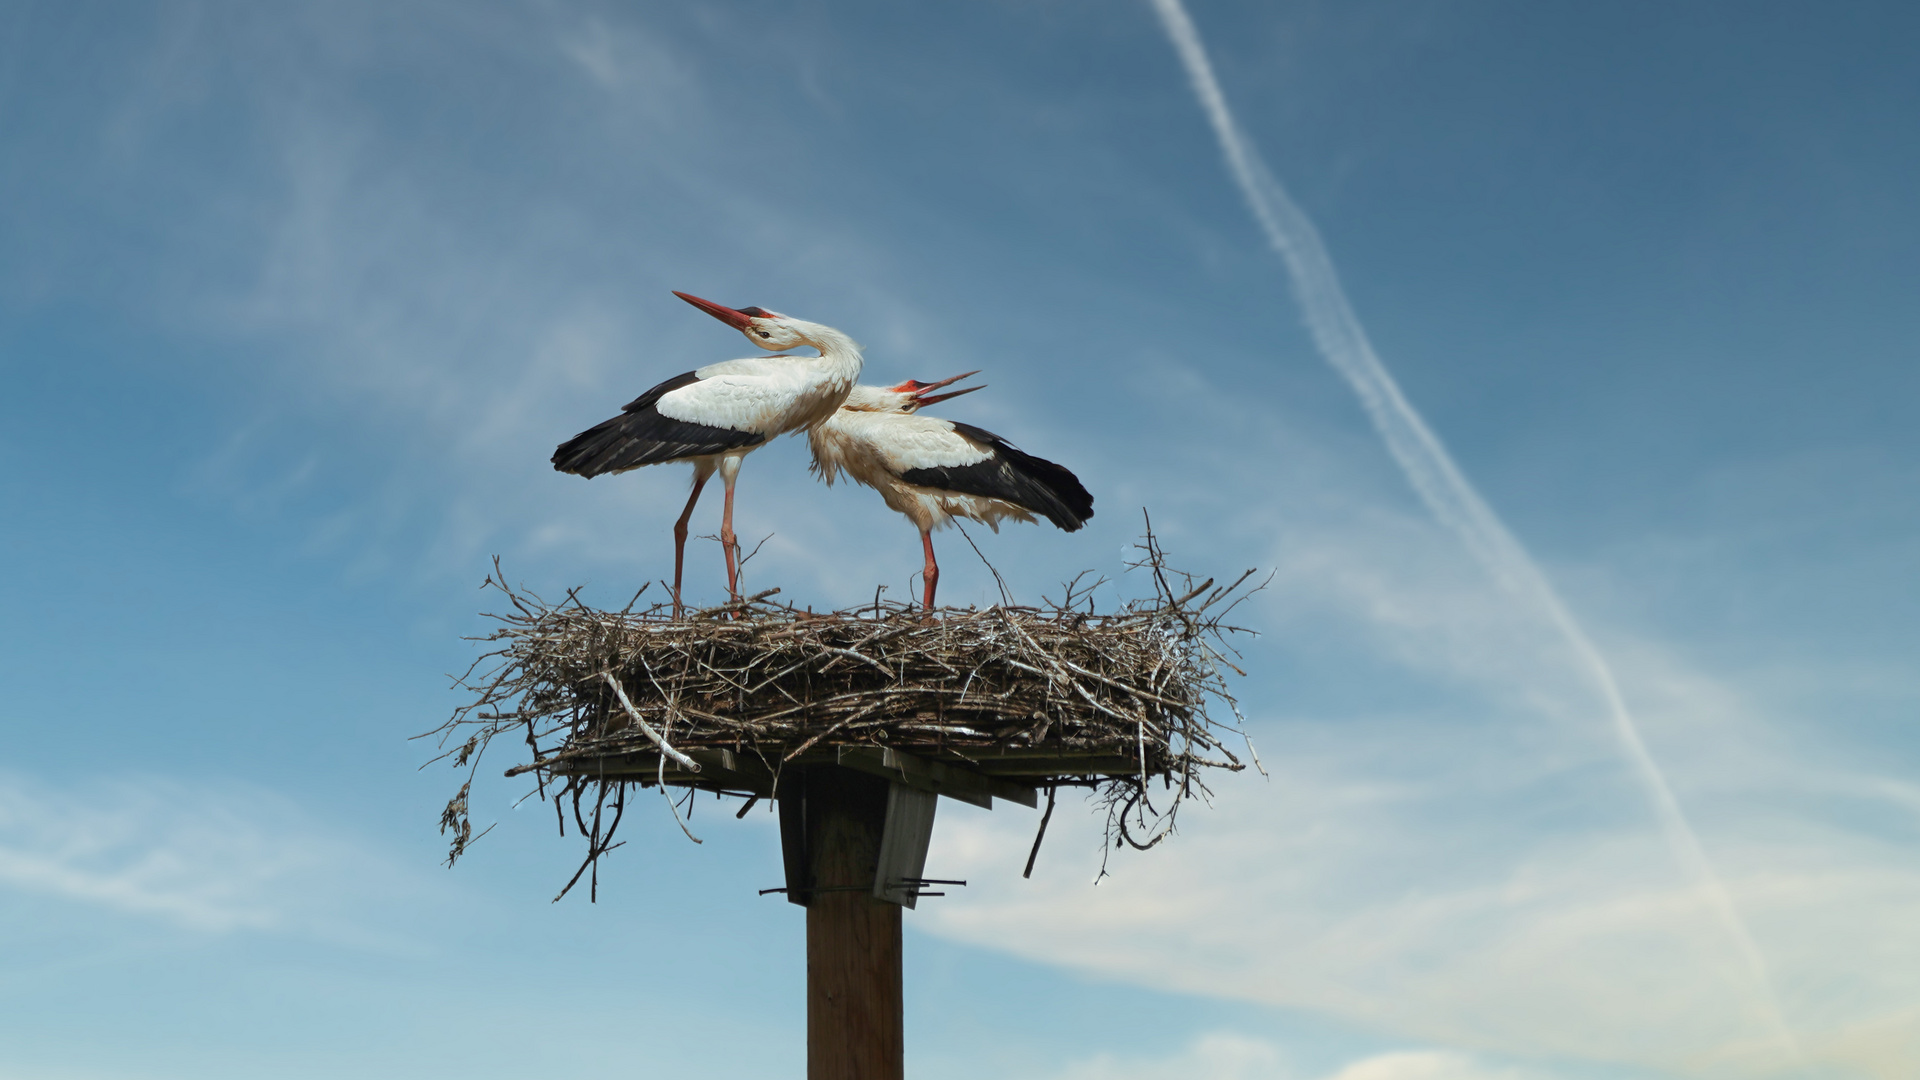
x=915, y=386
x=926, y=401
x=919, y=389
x=739, y=320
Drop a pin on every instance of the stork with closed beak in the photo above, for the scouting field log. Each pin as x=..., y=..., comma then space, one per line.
x=716, y=415
x=935, y=470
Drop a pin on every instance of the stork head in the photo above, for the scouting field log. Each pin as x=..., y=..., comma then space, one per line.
x=908, y=397
x=767, y=329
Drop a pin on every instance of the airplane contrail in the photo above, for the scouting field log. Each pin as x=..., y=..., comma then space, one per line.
x=1448, y=494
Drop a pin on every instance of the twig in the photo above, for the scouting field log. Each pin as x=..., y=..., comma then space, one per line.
x=1040, y=834
x=641, y=722
x=1006, y=595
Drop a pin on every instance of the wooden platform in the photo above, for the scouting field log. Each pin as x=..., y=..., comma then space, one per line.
x=976, y=777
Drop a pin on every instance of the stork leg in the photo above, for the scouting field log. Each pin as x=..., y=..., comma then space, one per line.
x=931, y=575
x=729, y=470
x=700, y=475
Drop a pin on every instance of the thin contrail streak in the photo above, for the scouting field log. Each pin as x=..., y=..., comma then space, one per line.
x=1446, y=491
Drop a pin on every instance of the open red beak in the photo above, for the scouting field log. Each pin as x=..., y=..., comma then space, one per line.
x=739, y=320
x=915, y=386
x=919, y=389
x=925, y=401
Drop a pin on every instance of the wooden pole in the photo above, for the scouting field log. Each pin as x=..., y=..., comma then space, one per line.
x=854, y=1008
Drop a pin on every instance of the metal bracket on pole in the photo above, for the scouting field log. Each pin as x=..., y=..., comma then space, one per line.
x=903, y=844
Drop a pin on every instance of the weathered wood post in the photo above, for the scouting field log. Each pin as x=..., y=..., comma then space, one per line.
x=855, y=826
x=855, y=1022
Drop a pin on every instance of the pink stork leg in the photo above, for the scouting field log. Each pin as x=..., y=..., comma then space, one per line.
x=680, y=533
x=931, y=575
x=729, y=470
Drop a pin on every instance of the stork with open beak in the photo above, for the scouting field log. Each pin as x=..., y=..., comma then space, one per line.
x=935, y=470
x=716, y=415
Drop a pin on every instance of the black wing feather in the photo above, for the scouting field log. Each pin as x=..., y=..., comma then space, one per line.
x=641, y=436
x=1013, y=475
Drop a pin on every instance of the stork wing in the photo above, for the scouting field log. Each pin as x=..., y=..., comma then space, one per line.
x=641, y=435
x=1002, y=471
x=760, y=395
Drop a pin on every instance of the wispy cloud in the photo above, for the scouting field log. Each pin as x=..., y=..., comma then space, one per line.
x=1215, y=1056
x=625, y=60
x=209, y=857
x=1429, y=1065
x=1225, y=1055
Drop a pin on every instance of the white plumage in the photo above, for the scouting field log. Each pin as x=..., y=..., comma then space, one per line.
x=933, y=470
x=716, y=415
x=768, y=395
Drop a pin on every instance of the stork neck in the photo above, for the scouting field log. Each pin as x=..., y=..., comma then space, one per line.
x=834, y=345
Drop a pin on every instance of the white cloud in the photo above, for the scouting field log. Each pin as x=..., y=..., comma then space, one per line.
x=208, y=857
x=1425, y=1065
x=625, y=58
x=1224, y=1055
x=1215, y=1056
x=592, y=46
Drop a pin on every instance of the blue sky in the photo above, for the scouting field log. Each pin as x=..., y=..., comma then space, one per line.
x=296, y=300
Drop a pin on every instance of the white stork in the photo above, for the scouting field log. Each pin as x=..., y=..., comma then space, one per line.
x=936, y=470
x=716, y=415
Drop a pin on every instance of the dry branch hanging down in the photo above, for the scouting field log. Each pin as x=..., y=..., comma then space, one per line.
x=1047, y=696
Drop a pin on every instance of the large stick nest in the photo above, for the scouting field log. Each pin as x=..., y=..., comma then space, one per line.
x=1046, y=696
